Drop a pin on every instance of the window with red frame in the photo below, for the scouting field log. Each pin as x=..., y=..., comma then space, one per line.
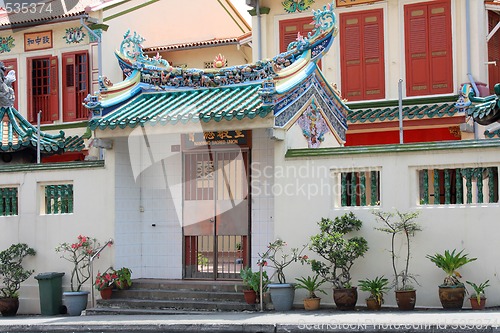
x=428, y=45
x=362, y=55
x=43, y=89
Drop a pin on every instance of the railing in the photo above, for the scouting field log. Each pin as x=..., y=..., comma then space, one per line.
x=458, y=186
x=360, y=188
x=8, y=201
x=59, y=199
x=96, y=255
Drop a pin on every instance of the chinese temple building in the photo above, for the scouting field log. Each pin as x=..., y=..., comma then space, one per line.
x=193, y=151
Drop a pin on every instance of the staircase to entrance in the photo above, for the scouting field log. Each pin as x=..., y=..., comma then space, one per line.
x=153, y=296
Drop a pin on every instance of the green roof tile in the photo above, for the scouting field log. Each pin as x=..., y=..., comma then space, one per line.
x=409, y=112
x=16, y=134
x=171, y=107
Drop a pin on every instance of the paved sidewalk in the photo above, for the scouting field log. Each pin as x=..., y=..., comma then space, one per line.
x=293, y=321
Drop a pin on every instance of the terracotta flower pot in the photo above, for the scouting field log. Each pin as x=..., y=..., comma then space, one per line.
x=311, y=304
x=452, y=297
x=106, y=293
x=406, y=299
x=475, y=305
x=345, y=298
x=373, y=304
x=9, y=306
x=250, y=296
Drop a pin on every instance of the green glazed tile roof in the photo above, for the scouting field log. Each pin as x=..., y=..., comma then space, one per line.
x=482, y=110
x=18, y=134
x=492, y=133
x=409, y=112
x=183, y=106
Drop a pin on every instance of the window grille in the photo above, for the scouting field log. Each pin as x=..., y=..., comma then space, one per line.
x=59, y=199
x=8, y=201
x=458, y=186
x=360, y=188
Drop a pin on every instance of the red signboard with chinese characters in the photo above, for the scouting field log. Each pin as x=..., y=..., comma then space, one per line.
x=38, y=40
x=344, y=3
x=217, y=138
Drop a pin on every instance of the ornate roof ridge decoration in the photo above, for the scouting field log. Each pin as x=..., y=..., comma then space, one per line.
x=156, y=73
x=484, y=110
x=18, y=134
x=390, y=113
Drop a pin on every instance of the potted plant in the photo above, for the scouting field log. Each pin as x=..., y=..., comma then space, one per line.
x=124, y=278
x=105, y=282
x=251, y=284
x=79, y=254
x=478, y=298
x=405, y=226
x=312, y=285
x=452, y=291
x=339, y=253
x=282, y=293
x=377, y=288
x=13, y=274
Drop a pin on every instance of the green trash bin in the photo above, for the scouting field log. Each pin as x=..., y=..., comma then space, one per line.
x=50, y=287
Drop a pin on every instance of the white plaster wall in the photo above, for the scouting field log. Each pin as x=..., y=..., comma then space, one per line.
x=93, y=216
x=148, y=206
x=311, y=193
x=262, y=171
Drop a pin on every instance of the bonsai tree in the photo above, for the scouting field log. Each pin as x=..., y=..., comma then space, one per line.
x=12, y=274
x=405, y=226
x=450, y=262
x=279, y=258
x=376, y=287
x=11, y=269
x=338, y=251
x=311, y=284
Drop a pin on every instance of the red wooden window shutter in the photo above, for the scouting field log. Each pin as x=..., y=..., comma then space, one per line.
x=75, y=76
x=362, y=55
x=11, y=64
x=440, y=47
x=54, y=89
x=68, y=86
x=428, y=48
x=493, y=51
x=30, y=112
x=351, y=68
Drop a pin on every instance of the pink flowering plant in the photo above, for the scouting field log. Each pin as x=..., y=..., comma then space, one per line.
x=79, y=254
x=106, y=279
x=279, y=258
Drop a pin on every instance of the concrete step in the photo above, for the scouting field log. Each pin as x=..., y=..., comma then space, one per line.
x=162, y=294
x=190, y=305
x=199, y=285
x=151, y=296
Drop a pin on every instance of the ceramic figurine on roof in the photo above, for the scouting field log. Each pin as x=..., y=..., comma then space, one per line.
x=285, y=84
x=484, y=110
x=7, y=94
